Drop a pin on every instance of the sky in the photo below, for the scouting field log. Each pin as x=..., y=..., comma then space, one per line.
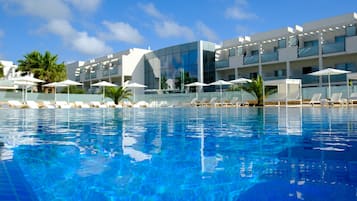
x=80, y=30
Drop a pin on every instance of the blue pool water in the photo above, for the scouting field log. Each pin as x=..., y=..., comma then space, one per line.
x=179, y=154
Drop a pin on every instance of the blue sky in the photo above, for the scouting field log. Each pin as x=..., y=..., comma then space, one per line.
x=85, y=29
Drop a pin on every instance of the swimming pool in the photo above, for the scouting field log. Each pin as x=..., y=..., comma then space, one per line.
x=179, y=154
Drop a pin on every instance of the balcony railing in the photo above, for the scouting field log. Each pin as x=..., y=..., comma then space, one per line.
x=251, y=59
x=222, y=64
x=310, y=79
x=308, y=51
x=333, y=48
x=272, y=56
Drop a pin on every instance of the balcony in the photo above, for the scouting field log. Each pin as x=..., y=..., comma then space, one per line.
x=308, y=51
x=251, y=59
x=333, y=48
x=273, y=56
x=222, y=64
x=309, y=79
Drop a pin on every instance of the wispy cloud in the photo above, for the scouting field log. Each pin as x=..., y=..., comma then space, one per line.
x=151, y=10
x=77, y=40
x=165, y=27
x=53, y=9
x=122, y=32
x=85, y=5
x=239, y=11
x=207, y=32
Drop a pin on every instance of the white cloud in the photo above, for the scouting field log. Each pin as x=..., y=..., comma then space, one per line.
x=151, y=10
x=90, y=45
x=166, y=29
x=122, y=32
x=46, y=9
x=163, y=26
x=239, y=14
x=79, y=41
x=238, y=11
x=208, y=33
x=85, y=5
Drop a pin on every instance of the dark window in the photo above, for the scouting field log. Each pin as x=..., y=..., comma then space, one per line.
x=254, y=52
x=351, y=31
x=306, y=70
x=253, y=75
x=282, y=43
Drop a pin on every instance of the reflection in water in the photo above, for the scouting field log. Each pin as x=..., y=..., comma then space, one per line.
x=208, y=153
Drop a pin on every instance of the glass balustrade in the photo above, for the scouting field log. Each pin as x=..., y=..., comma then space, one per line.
x=222, y=64
x=333, y=48
x=272, y=56
x=251, y=59
x=308, y=51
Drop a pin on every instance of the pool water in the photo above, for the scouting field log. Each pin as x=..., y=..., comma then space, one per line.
x=179, y=154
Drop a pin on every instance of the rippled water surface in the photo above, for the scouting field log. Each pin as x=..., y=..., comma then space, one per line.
x=182, y=153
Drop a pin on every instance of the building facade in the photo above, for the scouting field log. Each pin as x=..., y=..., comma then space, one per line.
x=293, y=52
x=169, y=69
x=277, y=54
x=116, y=68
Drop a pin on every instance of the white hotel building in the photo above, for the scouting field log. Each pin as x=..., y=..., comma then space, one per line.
x=278, y=54
x=116, y=68
x=292, y=52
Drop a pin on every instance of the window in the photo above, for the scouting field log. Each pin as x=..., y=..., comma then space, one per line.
x=306, y=70
x=346, y=66
x=231, y=77
x=312, y=43
x=293, y=41
x=232, y=52
x=240, y=51
x=282, y=43
x=351, y=31
x=253, y=75
x=254, y=52
x=340, y=39
x=280, y=73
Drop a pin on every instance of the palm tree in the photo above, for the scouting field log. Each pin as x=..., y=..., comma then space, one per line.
x=117, y=93
x=43, y=67
x=1, y=70
x=256, y=89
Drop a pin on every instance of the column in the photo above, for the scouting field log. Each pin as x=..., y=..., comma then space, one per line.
x=321, y=41
x=288, y=73
x=260, y=70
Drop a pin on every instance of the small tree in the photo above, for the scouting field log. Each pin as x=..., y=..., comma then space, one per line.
x=1, y=70
x=117, y=93
x=256, y=89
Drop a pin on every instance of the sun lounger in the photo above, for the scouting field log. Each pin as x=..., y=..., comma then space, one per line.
x=336, y=98
x=48, y=105
x=62, y=104
x=234, y=102
x=194, y=102
x=80, y=104
x=353, y=98
x=97, y=104
x=212, y=102
x=15, y=104
x=32, y=105
x=141, y=104
x=315, y=99
x=111, y=104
